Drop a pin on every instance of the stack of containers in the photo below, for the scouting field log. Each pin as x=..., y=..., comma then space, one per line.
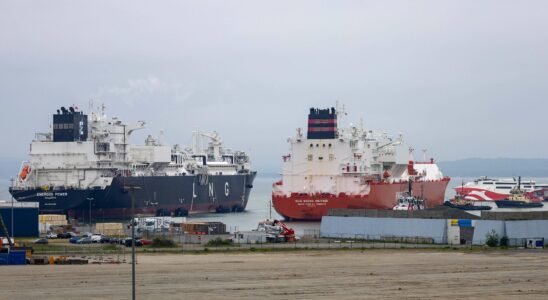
x=204, y=228
x=112, y=229
x=45, y=222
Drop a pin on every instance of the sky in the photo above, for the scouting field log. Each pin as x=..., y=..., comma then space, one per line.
x=459, y=78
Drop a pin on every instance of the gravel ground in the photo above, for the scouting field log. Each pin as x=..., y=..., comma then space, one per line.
x=313, y=274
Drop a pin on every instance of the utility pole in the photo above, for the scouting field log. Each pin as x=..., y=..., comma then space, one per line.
x=89, y=221
x=131, y=189
x=270, y=208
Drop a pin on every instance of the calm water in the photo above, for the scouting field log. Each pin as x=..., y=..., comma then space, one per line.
x=258, y=207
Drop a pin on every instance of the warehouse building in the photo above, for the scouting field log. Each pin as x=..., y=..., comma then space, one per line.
x=442, y=226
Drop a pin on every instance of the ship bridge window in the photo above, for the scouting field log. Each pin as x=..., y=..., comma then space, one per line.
x=504, y=187
x=487, y=183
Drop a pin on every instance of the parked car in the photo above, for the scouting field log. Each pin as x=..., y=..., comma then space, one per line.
x=145, y=242
x=85, y=240
x=127, y=242
x=66, y=235
x=96, y=238
x=51, y=235
x=113, y=240
x=105, y=239
x=41, y=241
x=74, y=239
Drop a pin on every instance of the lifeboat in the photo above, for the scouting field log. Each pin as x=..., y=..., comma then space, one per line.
x=24, y=173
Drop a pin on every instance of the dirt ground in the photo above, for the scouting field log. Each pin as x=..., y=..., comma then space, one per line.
x=328, y=274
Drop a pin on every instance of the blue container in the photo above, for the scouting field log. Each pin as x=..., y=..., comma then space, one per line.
x=4, y=259
x=465, y=223
x=17, y=257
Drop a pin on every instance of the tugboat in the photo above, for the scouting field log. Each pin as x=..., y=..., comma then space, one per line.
x=460, y=202
x=406, y=200
x=518, y=199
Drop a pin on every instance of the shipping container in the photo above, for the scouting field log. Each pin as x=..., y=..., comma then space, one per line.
x=25, y=218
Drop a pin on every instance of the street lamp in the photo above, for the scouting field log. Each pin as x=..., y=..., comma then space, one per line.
x=90, y=199
x=12, y=234
x=131, y=189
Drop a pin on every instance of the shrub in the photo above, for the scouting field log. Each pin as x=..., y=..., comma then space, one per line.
x=492, y=238
x=504, y=241
x=162, y=242
x=218, y=242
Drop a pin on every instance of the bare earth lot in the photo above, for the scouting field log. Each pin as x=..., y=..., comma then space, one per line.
x=328, y=274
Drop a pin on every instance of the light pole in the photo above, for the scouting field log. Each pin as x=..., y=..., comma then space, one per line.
x=90, y=199
x=12, y=236
x=131, y=189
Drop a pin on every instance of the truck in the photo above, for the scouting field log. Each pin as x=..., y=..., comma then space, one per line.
x=277, y=231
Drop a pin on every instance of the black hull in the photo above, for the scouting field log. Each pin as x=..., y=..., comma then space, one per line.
x=467, y=207
x=517, y=204
x=154, y=195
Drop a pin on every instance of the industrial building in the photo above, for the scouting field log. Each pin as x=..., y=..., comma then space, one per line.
x=444, y=226
x=21, y=219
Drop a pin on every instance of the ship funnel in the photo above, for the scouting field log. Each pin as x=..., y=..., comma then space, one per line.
x=322, y=124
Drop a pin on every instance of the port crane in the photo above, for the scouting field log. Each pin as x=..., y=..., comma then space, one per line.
x=5, y=230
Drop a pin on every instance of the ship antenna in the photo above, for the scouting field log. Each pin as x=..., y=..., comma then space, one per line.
x=424, y=154
x=161, y=137
x=410, y=187
x=103, y=107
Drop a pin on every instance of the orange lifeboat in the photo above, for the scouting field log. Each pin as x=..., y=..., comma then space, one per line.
x=24, y=173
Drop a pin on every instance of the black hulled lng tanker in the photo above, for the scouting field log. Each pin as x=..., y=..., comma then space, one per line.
x=88, y=162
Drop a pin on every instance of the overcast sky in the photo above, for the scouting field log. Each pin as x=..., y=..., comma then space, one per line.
x=460, y=78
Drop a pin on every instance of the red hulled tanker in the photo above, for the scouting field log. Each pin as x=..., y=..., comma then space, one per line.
x=350, y=167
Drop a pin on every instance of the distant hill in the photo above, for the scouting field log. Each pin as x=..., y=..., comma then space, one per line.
x=495, y=167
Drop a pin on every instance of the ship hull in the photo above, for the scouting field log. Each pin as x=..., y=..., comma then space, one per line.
x=152, y=195
x=381, y=196
x=517, y=204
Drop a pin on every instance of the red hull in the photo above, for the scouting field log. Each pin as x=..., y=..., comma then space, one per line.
x=381, y=196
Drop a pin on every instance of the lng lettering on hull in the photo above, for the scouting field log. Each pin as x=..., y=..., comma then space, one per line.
x=88, y=162
x=352, y=167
